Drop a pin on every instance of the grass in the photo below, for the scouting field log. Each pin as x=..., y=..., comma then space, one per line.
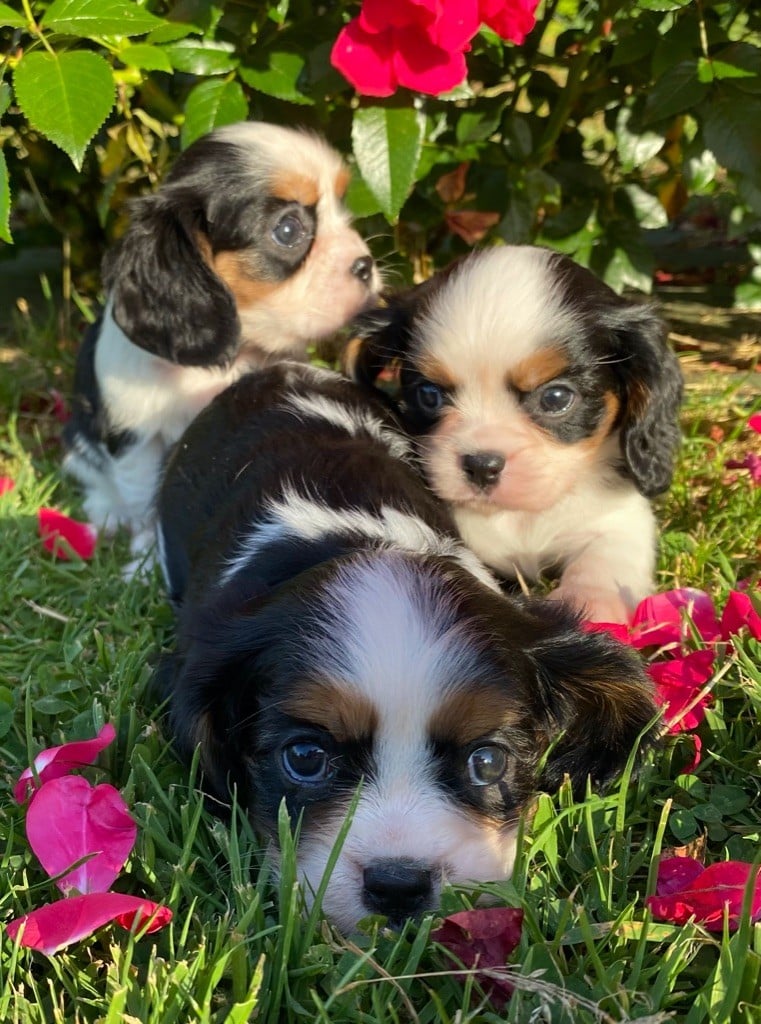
x=76, y=648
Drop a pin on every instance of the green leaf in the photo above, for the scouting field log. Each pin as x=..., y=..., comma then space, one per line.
x=709, y=69
x=66, y=97
x=94, y=18
x=280, y=79
x=210, y=105
x=145, y=56
x=11, y=18
x=647, y=207
x=196, y=57
x=387, y=142
x=5, y=201
x=674, y=92
x=360, y=201
x=634, y=148
x=5, y=97
x=731, y=131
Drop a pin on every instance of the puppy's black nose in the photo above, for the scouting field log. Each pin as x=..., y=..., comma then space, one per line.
x=397, y=888
x=483, y=468
x=362, y=268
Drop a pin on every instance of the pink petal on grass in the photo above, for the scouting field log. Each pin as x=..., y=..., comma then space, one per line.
x=751, y=462
x=755, y=422
x=58, y=924
x=675, y=873
x=483, y=938
x=61, y=535
x=69, y=820
x=660, y=618
x=677, y=684
x=6, y=485
x=707, y=894
x=740, y=613
x=57, y=761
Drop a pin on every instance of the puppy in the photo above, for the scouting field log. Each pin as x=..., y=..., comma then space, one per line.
x=545, y=408
x=245, y=254
x=333, y=631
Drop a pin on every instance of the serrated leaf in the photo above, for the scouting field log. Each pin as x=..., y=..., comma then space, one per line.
x=171, y=31
x=387, y=142
x=731, y=132
x=210, y=105
x=93, y=18
x=196, y=57
x=5, y=201
x=145, y=56
x=360, y=201
x=280, y=79
x=5, y=97
x=674, y=92
x=11, y=18
x=709, y=69
x=65, y=96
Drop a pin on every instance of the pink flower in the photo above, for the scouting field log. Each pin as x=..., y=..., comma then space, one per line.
x=71, y=821
x=751, y=462
x=685, y=891
x=662, y=619
x=58, y=924
x=483, y=938
x=755, y=422
x=60, y=534
x=740, y=613
x=57, y=761
x=421, y=44
x=6, y=485
x=677, y=684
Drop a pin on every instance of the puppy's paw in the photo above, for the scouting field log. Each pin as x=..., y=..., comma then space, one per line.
x=143, y=549
x=596, y=604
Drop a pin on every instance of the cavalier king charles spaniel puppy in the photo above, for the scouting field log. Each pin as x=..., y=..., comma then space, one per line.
x=545, y=412
x=333, y=633
x=245, y=254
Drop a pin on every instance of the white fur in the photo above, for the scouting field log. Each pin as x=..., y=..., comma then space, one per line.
x=353, y=421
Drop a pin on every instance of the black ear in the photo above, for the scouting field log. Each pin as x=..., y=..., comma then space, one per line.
x=652, y=388
x=166, y=298
x=380, y=338
x=593, y=700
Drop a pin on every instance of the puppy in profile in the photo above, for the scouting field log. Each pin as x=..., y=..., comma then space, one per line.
x=333, y=630
x=545, y=410
x=244, y=255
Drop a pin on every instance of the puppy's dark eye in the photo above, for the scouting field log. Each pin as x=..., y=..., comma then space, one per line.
x=306, y=762
x=556, y=398
x=289, y=231
x=487, y=765
x=429, y=397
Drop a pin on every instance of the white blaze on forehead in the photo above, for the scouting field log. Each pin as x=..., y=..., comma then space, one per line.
x=494, y=311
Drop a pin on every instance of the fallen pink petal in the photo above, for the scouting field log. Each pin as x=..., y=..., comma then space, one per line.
x=706, y=896
x=57, y=761
x=755, y=422
x=56, y=925
x=69, y=820
x=61, y=409
x=61, y=534
x=677, y=684
x=751, y=462
x=740, y=613
x=7, y=484
x=659, y=620
x=483, y=938
x=675, y=873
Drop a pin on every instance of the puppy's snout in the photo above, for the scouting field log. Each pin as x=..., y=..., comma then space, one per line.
x=483, y=468
x=362, y=269
x=397, y=888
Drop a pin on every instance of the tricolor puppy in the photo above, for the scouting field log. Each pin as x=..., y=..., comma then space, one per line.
x=332, y=630
x=545, y=408
x=245, y=254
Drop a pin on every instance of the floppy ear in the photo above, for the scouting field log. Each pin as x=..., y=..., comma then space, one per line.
x=652, y=387
x=593, y=700
x=166, y=298
x=381, y=337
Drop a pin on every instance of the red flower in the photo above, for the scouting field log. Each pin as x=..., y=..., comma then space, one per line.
x=483, y=938
x=677, y=684
x=61, y=534
x=662, y=618
x=57, y=761
x=739, y=613
x=686, y=890
x=755, y=422
x=6, y=485
x=71, y=821
x=421, y=44
x=58, y=924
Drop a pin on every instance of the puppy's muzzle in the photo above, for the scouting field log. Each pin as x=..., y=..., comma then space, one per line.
x=362, y=269
x=397, y=888
x=483, y=469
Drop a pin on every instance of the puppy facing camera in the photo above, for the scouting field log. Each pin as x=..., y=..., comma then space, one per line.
x=544, y=408
x=332, y=630
x=245, y=254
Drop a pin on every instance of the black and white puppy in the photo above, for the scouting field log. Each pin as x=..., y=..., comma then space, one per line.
x=244, y=254
x=545, y=408
x=332, y=629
